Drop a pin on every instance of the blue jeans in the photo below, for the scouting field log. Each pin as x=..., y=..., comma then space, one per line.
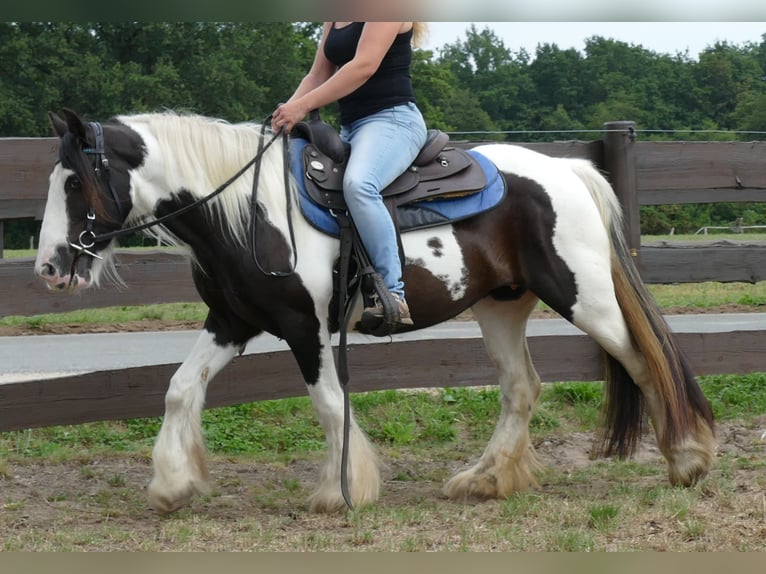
x=383, y=146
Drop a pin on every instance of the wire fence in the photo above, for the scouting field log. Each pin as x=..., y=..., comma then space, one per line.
x=598, y=132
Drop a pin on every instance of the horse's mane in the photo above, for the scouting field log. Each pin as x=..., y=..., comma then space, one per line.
x=200, y=153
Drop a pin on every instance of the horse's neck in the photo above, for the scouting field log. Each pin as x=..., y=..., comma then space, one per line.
x=178, y=170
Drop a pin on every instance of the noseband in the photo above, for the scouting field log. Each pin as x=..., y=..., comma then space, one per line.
x=87, y=238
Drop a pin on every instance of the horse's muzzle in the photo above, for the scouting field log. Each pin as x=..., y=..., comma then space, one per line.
x=58, y=281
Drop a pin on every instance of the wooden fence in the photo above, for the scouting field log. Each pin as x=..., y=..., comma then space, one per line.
x=642, y=173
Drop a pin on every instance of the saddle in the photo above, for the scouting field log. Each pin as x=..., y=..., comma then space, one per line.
x=438, y=171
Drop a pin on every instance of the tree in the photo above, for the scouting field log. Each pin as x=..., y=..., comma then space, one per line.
x=724, y=72
x=559, y=80
x=488, y=71
x=750, y=114
x=445, y=105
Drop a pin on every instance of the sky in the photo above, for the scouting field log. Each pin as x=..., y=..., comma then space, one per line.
x=661, y=37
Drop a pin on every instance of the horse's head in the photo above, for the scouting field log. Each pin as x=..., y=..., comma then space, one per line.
x=88, y=196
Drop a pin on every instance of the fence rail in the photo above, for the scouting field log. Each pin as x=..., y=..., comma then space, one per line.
x=453, y=362
x=642, y=173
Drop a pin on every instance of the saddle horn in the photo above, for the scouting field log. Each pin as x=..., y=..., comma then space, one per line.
x=322, y=135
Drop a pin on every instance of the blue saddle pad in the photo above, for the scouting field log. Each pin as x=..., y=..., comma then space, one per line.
x=426, y=213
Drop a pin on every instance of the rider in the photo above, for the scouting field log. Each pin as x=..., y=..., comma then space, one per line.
x=365, y=66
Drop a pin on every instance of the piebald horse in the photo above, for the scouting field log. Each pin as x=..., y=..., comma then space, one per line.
x=556, y=236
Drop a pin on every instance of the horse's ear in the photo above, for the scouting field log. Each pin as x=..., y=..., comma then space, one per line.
x=59, y=126
x=75, y=125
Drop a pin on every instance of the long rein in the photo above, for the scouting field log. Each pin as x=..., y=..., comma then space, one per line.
x=88, y=238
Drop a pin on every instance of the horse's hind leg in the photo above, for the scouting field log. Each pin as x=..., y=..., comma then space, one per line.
x=508, y=463
x=179, y=455
x=659, y=375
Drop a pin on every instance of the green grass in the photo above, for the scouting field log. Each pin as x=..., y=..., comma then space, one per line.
x=709, y=294
x=606, y=505
x=123, y=314
x=713, y=235
x=693, y=295
x=735, y=397
x=418, y=420
x=19, y=253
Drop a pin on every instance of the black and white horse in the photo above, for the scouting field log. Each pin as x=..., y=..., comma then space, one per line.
x=555, y=236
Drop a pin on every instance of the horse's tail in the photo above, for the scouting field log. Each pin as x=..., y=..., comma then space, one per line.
x=674, y=383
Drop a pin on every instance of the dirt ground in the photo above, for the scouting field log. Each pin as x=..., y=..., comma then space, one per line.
x=98, y=503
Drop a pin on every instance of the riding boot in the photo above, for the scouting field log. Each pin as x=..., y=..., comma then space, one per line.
x=378, y=311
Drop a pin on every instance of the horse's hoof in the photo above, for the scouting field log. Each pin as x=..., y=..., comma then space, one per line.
x=166, y=502
x=691, y=463
x=467, y=486
x=165, y=505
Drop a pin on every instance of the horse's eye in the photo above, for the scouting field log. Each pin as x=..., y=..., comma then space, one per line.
x=72, y=184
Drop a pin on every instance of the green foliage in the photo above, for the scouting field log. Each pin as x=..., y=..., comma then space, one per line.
x=269, y=426
x=709, y=294
x=241, y=70
x=660, y=219
x=735, y=397
x=476, y=88
x=576, y=393
x=236, y=71
x=422, y=420
x=581, y=401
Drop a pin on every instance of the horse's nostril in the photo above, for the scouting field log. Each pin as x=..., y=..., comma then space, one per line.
x=47, y=270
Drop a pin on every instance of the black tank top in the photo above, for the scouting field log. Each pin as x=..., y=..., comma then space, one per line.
x=390, y=85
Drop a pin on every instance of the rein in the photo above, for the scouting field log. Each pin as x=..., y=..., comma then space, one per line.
x=288, y=206
x=99, y=152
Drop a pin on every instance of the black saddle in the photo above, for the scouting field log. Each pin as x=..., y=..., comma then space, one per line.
x=438, y=171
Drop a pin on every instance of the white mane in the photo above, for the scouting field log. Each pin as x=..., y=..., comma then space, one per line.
x=199, y=154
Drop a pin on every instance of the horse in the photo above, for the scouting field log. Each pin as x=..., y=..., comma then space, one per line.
x=556, y=236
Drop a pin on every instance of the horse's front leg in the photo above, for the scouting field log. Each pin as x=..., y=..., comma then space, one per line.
x=179, y=455
x=363, y=466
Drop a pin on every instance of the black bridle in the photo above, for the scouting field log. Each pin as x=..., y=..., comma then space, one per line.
x=88, y=238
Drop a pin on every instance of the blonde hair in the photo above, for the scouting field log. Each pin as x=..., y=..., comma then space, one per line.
x=419, y=33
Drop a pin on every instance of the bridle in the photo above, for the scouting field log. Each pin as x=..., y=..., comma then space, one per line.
x=88, y=238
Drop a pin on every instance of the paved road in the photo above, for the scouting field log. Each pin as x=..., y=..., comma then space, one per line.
x=39, y=356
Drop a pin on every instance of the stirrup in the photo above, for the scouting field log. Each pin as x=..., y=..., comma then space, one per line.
x=386, y=317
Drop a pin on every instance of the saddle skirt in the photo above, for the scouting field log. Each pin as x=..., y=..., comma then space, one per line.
x=422, y=198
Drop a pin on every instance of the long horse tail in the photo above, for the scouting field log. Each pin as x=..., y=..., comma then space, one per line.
x=677, y=389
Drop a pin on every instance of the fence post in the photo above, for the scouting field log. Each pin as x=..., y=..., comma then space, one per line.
x=2, y=239
x=620, y=165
